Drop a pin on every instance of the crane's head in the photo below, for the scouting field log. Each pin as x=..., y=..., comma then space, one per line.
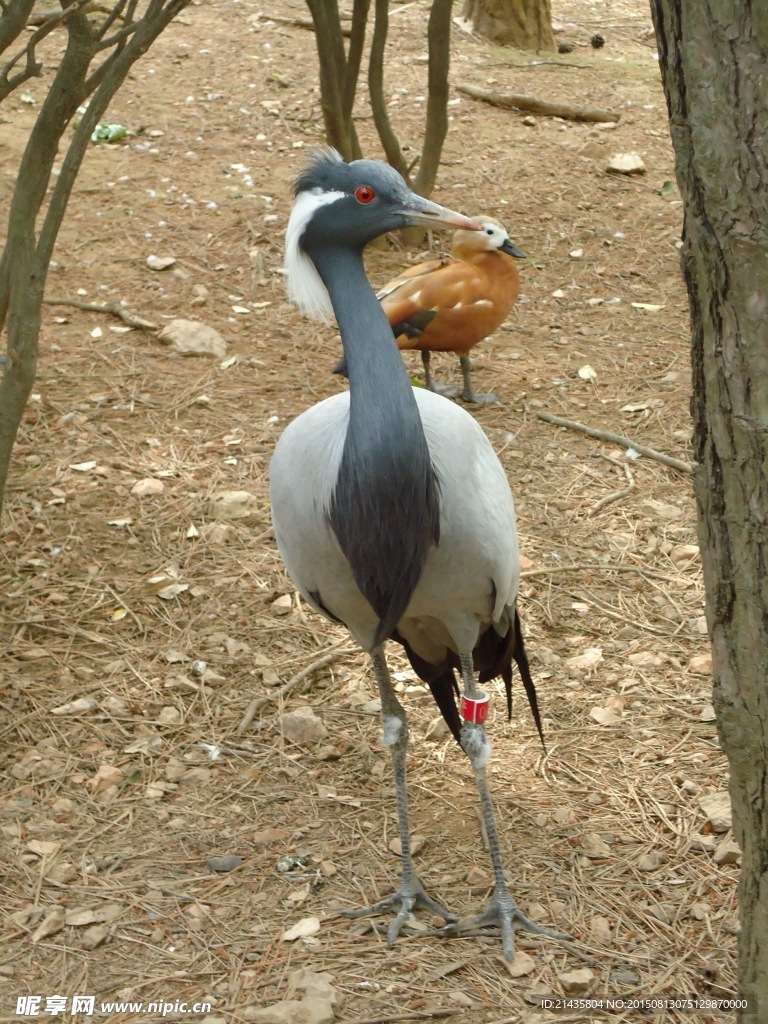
x=347, y=205
x=493, y=235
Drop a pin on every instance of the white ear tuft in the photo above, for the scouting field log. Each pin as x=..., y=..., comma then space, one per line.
x=305, y=287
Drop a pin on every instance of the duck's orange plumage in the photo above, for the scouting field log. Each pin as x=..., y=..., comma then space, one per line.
x=451, y=305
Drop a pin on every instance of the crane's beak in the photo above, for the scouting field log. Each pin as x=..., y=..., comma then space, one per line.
x=422, y=211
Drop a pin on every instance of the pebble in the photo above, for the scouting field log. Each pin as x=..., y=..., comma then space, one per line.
x=576, y=982
x=224, y=864
x=717, y=809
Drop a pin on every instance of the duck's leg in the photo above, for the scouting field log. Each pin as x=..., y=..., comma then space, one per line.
x=446, y=390
x=469, y=394
x=410, y=895
x=502, y=910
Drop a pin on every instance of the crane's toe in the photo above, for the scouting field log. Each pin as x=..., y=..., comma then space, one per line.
x=407, y=899
x=503, y=913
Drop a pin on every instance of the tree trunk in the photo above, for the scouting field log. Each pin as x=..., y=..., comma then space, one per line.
x=526, y=24
x=713, y=56
x=29, y=243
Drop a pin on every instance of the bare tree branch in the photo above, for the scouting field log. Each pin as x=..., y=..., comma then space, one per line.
x=13, y=21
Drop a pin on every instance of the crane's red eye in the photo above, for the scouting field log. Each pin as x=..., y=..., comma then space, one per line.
x=365, y=194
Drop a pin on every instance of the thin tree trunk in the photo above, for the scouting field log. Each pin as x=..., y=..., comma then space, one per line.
x=713, y=55
x=334, y=99
x=436, y=127
x=387, y=136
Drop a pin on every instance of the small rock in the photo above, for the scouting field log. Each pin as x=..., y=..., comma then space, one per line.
x=417, y=844
x=160, y=262
x=50, y=925
x=437, y=730
x=314, y=985
x=690, y=787
x=192, y=338
x=701, y=664
x=235, y=505
x=593, y=846
x=625, y=163
x=624, y=978
x=94, y=936
x=522, y=964
x=703, y=844
x=529, y=121
x=650, y=861
x=604, y=716
x=684, y=554
x=585, y=662
x=708, y=714
x=146, y=487
x=312, y=1010
x=645, y=659
x=699, y=911
x=601, y=929
x=717, y=808
x=303, y=726
x=223, y=864
x=728, y=852
x=477, y=877
x=282, y=605
x=576, y=982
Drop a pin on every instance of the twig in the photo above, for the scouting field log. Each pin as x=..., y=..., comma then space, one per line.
x=259, y=702
x=107, y=307
x=569, y=111
x=604, y=435
x=436, y=1014
x=617, y=495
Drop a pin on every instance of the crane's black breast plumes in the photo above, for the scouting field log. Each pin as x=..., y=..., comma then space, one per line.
x=385, y=511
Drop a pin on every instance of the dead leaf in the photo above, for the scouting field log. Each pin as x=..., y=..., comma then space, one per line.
x=304, y=929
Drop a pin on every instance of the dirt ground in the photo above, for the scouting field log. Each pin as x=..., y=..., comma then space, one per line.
x=140, y=630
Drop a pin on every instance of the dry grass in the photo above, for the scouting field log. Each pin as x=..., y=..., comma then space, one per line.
x=119, y=801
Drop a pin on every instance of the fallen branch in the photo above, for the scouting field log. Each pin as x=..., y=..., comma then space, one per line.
x=604, y=435
x=259, y=702
x=107, y=307
x=569, y=111
x=616, y=495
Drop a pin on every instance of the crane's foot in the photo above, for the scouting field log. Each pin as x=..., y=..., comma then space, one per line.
x=503, y=913
x=479, y=397
x=408, y=899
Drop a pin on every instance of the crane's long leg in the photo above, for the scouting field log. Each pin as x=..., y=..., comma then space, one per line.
x=410, y=894
x=469, y=394
x=502, y=910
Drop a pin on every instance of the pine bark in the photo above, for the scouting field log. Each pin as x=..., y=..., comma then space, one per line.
x=525, y=24
x=713, y=56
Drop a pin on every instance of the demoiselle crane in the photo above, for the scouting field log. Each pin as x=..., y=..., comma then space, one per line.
x=451, y=305
x=390, y=509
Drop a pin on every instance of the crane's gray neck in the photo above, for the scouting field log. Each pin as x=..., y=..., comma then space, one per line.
x=385, y=506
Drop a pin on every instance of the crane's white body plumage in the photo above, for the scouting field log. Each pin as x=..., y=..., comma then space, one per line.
x=470, y=580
